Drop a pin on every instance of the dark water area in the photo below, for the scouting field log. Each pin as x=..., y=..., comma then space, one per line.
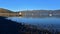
x=49, y=22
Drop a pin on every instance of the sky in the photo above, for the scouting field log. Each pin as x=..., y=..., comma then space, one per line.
x=18, y=5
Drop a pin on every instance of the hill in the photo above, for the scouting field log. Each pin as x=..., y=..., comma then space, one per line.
x=2, y=10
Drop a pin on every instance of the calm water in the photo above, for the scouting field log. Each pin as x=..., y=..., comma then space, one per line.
x=49, y=22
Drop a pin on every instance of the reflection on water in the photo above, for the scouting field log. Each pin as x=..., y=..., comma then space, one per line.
x=50, y=22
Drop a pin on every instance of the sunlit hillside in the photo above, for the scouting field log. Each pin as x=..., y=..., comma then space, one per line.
x=2, y=10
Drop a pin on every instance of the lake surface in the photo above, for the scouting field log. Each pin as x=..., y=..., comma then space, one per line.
x=49, y=22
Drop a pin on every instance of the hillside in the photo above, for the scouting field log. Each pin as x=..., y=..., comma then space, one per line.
x=2, y=10
x=7, y=13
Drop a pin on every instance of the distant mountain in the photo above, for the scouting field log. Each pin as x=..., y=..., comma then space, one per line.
x=2, y=10
x=41, y=10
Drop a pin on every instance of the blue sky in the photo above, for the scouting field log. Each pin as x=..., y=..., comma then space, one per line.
x=17, y=5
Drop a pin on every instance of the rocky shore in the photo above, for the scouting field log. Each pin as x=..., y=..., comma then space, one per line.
x=11, y=27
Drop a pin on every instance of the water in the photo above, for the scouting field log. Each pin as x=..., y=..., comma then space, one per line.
x=49, y=22
x=36, y=20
